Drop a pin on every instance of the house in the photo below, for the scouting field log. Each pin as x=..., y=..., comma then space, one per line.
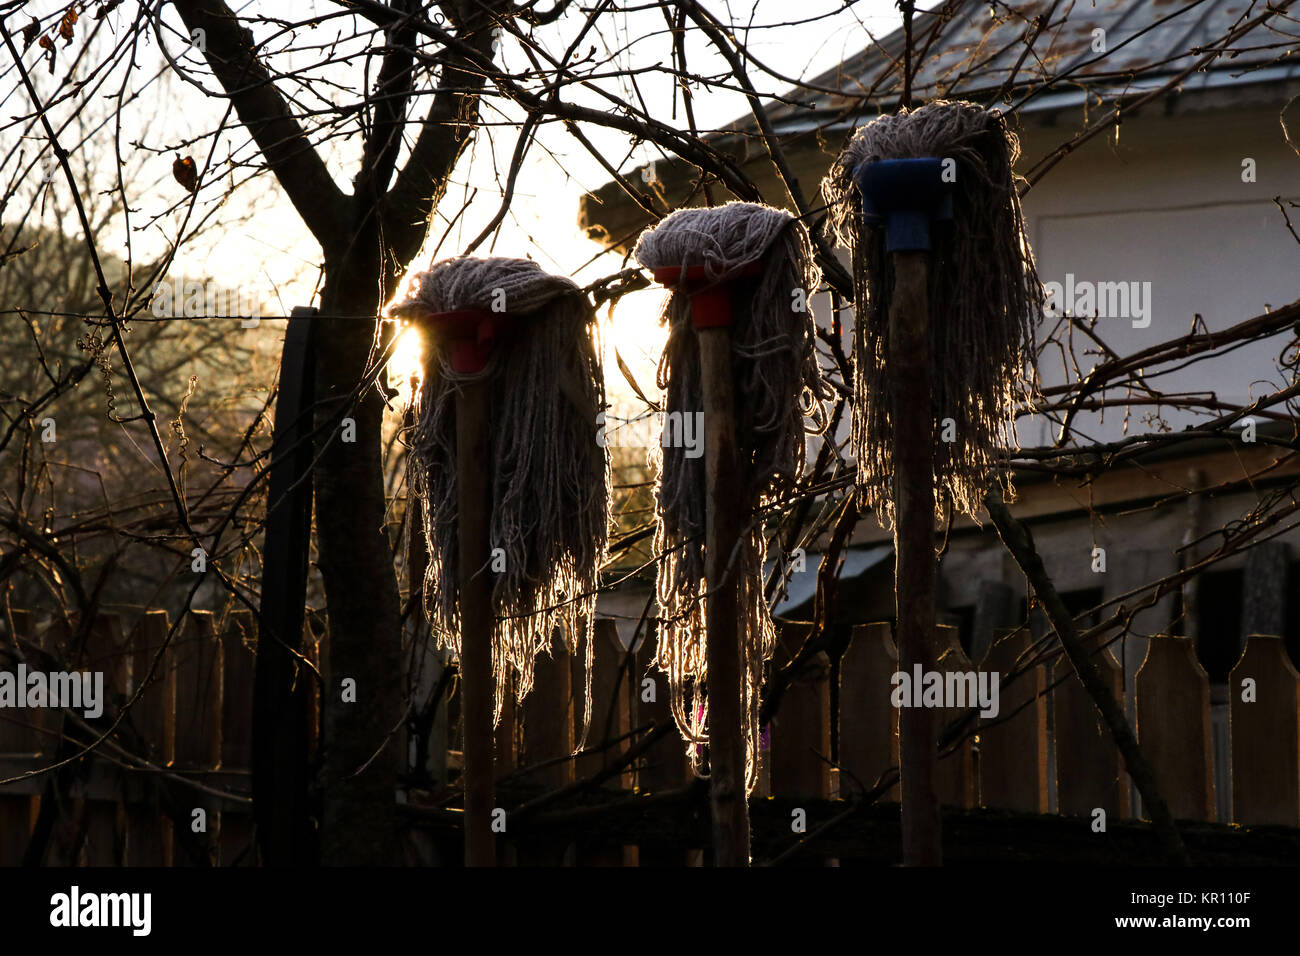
x=1175, y=220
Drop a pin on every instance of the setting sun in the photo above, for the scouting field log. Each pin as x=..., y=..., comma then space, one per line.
x=635, y=332
x=406, y=361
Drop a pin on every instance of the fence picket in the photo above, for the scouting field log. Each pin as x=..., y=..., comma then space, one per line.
x=800, y=730
x=105, y=652
x=1089, y=771
x=868, y=731
x=197, y=662
x=149, y=832
x=1265, y=735
x=1173, y=725
x=19, y=738
x=609, y=706
x=193, y=719
x=1013, y=754
x=663, y=766
x=609, y=719
x=547, y=743
x=955, y=777
x=238, y=640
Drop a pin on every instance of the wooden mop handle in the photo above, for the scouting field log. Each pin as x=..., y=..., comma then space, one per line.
x=721, y=611
x=475, y=584
x=711, y=315
x=906, y=196
x=910, y=396
x=471, y=335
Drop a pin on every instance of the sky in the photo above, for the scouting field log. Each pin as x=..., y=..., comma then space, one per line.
x=542, y=221
x=260, y=248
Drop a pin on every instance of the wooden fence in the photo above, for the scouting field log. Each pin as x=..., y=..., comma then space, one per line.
x=170, y=785
x=1008, y=765
x=185, y=745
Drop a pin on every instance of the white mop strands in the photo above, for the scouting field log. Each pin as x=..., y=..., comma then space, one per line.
x=776, y=378
x=547, y=475
x=984, y=298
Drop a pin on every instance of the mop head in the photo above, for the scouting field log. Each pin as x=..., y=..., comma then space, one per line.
x=776, y=377
x=548, y=476
x=984, y=300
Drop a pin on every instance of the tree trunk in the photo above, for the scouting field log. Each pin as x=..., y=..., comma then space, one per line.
x=359, y=773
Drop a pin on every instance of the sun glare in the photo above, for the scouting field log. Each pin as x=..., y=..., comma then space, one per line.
x=634, y=333
x=639, y=339
x=405, y=362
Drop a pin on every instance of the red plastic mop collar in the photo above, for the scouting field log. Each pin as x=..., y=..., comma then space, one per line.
x=710, y=297
x=472, y=334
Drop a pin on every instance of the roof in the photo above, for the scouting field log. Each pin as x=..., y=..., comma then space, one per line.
x=969, y=53
x=974, y=53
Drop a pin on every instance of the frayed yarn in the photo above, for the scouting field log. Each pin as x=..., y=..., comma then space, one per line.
x=985, y=298
x=777, y=384
x=548, y=475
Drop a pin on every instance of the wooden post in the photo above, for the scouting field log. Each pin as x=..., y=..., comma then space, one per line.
x=149, y=836
x=1013, y=753
x=912, y=416
x=279, y=739
x=868, y=721
x=473, y=490
x=722, y=565
x=1173, y=708
x=1265, y=734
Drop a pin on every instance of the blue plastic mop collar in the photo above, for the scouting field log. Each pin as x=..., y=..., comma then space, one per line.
x=907, y=195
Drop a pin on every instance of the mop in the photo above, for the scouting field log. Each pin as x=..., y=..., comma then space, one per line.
x=514, y=483
x=983, y=291
x=947, y=294
x=740, y=355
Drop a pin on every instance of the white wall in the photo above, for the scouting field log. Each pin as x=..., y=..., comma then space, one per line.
x=1167, y=206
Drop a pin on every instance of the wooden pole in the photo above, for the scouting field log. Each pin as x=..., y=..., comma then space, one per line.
x=722, y=564
x=472, y=459
x=914, y=575
x=281, y=737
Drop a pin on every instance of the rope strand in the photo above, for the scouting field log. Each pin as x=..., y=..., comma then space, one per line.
x=548, y=476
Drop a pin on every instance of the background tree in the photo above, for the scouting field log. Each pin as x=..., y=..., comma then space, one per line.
x=365, y=119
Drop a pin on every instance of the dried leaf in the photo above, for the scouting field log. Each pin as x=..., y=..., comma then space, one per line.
x=106, y=8
x=45, y=43
x=627, y=374
x=186, y=173
x=66, y=24
x=30, y=32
